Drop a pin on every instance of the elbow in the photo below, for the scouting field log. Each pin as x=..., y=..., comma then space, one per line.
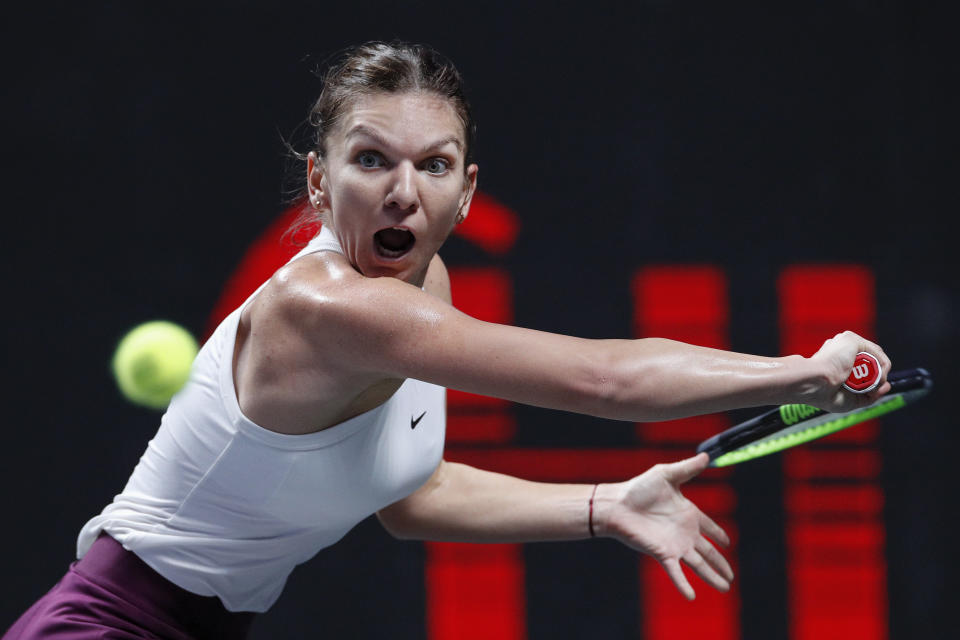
x=622, y=381
x=599, y=390
x=396, y=523
x=409, y=518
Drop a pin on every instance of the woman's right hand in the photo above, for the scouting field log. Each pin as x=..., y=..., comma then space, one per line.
x=835, y=361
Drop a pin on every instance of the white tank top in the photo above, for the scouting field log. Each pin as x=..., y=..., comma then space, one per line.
x=223, y=507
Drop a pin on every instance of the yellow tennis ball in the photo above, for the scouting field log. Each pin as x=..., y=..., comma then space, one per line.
x=152, y=362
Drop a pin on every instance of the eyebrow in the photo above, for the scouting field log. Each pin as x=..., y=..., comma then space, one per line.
x=363, y=130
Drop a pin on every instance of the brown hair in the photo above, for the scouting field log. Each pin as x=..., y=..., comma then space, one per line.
x=380, y=67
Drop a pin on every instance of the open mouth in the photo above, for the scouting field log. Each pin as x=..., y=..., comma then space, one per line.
x=394, y=242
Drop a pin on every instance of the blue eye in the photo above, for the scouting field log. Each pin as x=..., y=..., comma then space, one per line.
x=369, y=159
x=436, y=165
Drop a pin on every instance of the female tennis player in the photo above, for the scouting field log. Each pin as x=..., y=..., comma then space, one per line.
x=320, y=400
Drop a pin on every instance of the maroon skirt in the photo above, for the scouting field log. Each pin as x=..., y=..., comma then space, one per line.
x=111, y=593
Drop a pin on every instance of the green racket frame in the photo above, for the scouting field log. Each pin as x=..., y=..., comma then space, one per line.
x=792, y=424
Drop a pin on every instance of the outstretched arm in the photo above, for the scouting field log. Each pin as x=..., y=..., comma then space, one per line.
x=648, y=513
x=377, y=328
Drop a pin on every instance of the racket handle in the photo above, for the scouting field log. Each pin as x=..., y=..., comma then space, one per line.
x=866, y=373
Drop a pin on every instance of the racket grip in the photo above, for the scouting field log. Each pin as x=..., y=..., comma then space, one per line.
x=866, y=374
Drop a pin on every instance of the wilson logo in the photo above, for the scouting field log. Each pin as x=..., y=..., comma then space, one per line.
x=861, y=371
x=794, y=413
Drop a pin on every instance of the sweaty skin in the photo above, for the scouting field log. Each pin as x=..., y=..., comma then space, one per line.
x=332, y=336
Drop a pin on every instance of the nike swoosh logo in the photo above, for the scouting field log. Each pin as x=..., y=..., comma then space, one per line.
x=414, y=423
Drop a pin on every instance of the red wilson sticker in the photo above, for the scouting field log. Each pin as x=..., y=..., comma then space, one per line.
x=865, y=375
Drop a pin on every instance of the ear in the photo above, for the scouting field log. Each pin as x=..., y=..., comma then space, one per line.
x=316, y=185
x=469, y=188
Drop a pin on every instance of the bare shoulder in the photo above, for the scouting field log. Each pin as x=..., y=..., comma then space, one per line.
x=323, y=297
x=321, y=342
x=314, y=307
x=291, y=371
x=303, y=288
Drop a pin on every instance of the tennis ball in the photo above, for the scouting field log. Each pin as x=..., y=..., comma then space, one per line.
x=152, y=362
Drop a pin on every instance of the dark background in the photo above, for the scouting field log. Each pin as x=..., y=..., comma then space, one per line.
x=143, y=155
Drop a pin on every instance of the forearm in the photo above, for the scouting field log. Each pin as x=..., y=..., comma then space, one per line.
x=647, y=513
x=463, y=504
x=657, y=379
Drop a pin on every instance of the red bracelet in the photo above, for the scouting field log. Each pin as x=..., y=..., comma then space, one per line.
x=590, y=521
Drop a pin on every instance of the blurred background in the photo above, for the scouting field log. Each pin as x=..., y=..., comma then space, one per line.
x=750, y=178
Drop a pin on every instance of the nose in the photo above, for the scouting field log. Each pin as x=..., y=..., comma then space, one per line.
x=403, y=193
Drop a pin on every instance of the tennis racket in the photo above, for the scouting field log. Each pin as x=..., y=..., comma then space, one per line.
x=791, y=424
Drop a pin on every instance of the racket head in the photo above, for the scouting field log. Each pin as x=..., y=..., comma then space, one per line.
x=790, y=425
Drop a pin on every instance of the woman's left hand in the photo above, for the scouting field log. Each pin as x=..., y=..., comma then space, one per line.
x=648, y=513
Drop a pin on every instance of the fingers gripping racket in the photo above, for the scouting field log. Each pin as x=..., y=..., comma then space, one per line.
x=791, y=424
